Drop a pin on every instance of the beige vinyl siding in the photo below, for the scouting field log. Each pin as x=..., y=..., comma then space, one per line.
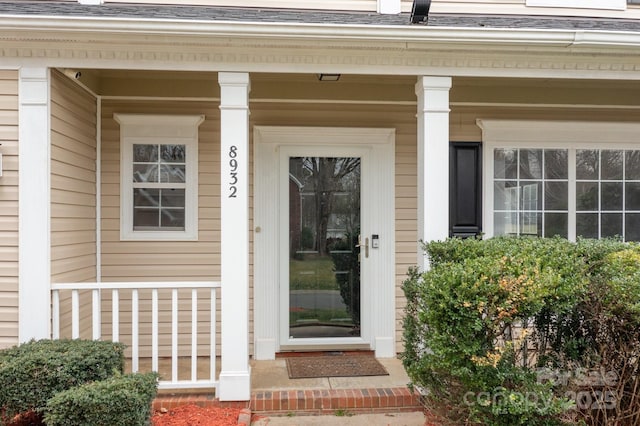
x=141, y=261
x=9, y=208
x=73, y=193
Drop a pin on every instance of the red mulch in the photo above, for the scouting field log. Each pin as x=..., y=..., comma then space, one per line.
x=187, y=415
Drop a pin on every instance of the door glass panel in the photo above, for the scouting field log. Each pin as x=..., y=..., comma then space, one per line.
x=324, y=264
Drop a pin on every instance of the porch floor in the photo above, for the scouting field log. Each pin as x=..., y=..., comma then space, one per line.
x=274, y=393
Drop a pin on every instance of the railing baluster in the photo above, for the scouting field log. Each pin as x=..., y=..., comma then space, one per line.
x=95, y=310
x=55, y=313
x=174, y=335
x=194, y=334
x=154, y=329
x=212, y=341
x=135, y=288
x=115, y=315
x=134, y=330
x=75, y=314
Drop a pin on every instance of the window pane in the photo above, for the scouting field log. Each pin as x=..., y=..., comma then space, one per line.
x=587, y=225
x=587, y=164
x=145, y=153
x=505, y=224
x=611, y=225
x=505, y=195
x=172, y=174
x=556, y=164
x=611, y=165
x=146, y=197
x=505, y=164
x=531, y=196
x=587, y=196
x=531, y=224
x=173, y=218
x=173, y=198
x=145, y=173
x=556, y=224
x=145, y=218
x=632, y=196
x=611, y=196
x=173, y=153
x=556, y=195
x=530, y=164
x=632, y=166
x=632, y=227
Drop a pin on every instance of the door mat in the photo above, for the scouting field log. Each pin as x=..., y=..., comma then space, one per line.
x=334, y=366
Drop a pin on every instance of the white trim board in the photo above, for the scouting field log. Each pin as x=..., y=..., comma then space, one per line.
x=268, y=142
x=580, y=4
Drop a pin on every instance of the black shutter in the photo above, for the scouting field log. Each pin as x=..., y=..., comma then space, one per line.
x=465, y=189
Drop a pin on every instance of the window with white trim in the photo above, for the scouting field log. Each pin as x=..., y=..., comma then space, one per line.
x=567, y=178
x=159, y=176
x=531, y=190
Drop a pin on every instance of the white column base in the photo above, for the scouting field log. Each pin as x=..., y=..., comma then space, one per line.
x=235, y=386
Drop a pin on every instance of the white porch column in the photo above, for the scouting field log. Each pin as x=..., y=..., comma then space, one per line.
x=235, y=383
x=433, y=160
x=34, y=258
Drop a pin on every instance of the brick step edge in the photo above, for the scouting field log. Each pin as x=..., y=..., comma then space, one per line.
x=331, y=400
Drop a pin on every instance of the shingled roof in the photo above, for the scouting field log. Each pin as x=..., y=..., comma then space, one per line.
x=272, y=15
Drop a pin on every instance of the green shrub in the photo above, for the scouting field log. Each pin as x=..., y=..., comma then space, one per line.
x=489, y=314
x=120, y=400
x=32, y=373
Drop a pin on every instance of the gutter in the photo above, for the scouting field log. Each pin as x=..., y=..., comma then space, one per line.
x=44, y=28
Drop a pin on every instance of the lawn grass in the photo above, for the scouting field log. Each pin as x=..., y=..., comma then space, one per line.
x=312, y=273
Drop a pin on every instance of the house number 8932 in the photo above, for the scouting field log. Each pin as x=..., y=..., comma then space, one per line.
x=233, y=171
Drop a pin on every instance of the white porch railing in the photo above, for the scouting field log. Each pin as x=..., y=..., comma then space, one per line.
x=99, y=289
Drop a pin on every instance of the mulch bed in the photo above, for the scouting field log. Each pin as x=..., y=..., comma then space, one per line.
x=334, y=366
x=193, y=415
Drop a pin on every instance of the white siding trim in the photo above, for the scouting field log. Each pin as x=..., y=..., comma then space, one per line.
x=98, y=188
x=389, y=7
x=34, y=204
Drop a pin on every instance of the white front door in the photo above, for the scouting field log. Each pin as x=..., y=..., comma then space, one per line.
x=324, y=275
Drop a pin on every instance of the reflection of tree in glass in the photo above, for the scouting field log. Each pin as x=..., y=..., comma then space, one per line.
x=328, y=176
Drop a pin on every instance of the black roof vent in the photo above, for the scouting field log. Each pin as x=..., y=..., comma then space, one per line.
x=420, y=11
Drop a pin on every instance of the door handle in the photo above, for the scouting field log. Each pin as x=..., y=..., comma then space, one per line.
x=365, y=245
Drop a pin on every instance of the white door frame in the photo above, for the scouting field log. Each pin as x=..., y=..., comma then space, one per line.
x=271, y=144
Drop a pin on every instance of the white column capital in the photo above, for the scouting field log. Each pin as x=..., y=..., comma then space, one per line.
x=235, y=377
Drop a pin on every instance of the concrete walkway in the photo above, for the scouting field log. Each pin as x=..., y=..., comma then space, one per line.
x=383, y=419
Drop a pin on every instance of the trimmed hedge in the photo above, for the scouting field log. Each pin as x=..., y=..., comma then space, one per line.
x=118, y=401
x=578, y=305
x=33, y=372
